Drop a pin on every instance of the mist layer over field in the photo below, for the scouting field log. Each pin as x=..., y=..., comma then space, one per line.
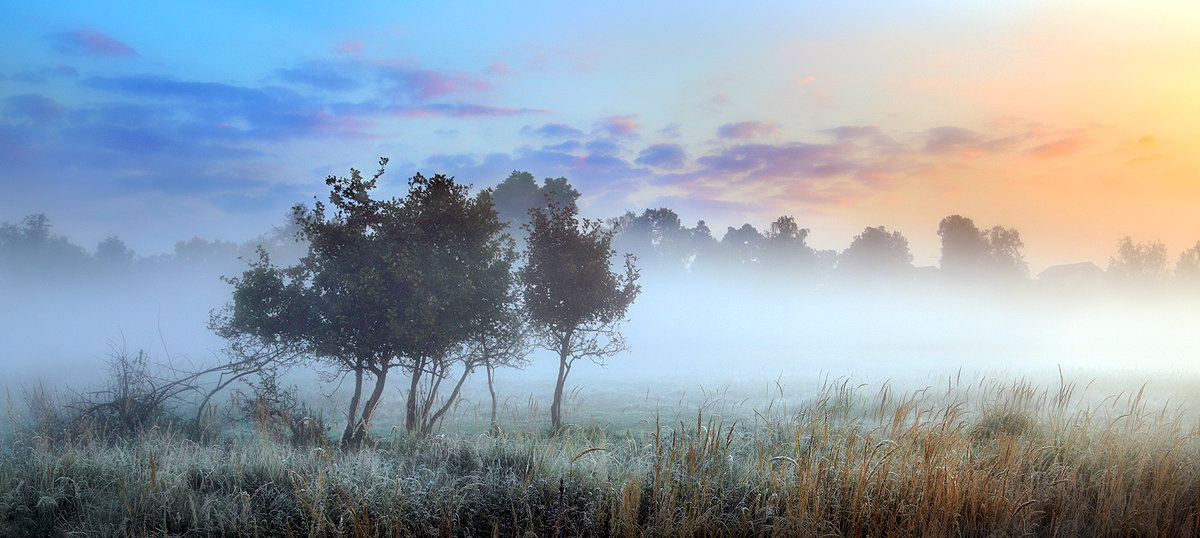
x=682, y=331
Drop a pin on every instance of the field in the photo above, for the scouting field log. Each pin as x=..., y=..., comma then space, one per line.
x=987, y=457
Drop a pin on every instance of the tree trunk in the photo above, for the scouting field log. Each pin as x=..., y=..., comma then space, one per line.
x=364, y=425
x=428, y=427
x=491, y=377
x=352, y=413
x=563, y=369
x=411, y=408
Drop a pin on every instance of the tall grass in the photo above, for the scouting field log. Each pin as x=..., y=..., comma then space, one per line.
x=984, y=459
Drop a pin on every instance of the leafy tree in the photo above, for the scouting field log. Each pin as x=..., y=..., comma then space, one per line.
x=1187, y=268
x=113, y=255
x=29, y=251
x=519, y=193
x=876, y=252
x=505, y=343
x=784, y=247
x=741, y=247
x=1004, y=252
x=1139, y=262
x=964, y=248
x=576, y=303
x=515, y=196
x=656, y=238
x=970, y=252
x=558, y=191
x=402, y=283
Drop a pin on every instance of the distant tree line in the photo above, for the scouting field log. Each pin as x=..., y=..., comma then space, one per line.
x=662, y=244
x=439, y=284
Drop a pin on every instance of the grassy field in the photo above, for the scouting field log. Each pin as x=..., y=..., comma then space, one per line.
x=986, y=458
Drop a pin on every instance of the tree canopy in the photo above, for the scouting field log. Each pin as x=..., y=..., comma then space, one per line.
x=575, y=301
x=385, y=284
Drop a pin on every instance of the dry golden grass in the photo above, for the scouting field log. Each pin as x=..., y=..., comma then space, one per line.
x=990, y=458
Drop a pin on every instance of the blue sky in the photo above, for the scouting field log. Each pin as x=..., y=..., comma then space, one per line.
x=166, y=120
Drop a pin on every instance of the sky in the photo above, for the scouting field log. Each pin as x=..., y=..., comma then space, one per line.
x=159, y=121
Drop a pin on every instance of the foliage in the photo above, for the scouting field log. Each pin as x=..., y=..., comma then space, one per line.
x=519, y=193
x=968, y=252
x=279, y=413
x=1187, y=267
x=386, y=284
x=876, y=252
x=576, y=303
x=1139, y=262
x=30, y=252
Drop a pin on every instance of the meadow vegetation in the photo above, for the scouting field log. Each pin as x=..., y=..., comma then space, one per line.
x=982, y=458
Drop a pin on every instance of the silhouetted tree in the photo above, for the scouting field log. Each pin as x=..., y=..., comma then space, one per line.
x=1187, y=268
x=741, y=247
x=113, y=256
x=1144, y=262
x=515, y=196
x=703, y=247
x=385, y=284
x=874, y=253
x=784, y=248
x=1004, y=253
x=29, y=251
x=656, y=237
x=519, y=193
x=558, y=191
x=964, y=248
x=576, y=303
x=968, y=252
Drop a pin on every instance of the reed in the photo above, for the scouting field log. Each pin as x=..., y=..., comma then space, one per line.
x=989, y=458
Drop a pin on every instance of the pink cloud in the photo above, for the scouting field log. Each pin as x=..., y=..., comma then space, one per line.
x=1057, y=148
x=620, y=126
x=427, y=84
x=92, y=43
x=746, y=129
x=349, y=46
x=498, y=68
x=460, y=110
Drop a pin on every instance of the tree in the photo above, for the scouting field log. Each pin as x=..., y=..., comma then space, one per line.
x=784, y=248
x=1139, y=262
x=505, y=343
x=519, y=193
x=558, y=191
x=112, y=255
x=29, y=251
x=576, y=303
x=741, y=247
x=876, y=252
x=1187, y=268
x=1004, y=253
x=656, y=237
x=964, y=248
x=459, y=263
x=968, y=252
x=385, y=284
x=515, y=196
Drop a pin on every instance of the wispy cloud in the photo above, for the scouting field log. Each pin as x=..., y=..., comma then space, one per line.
x=625, y=126
x=665, y=156
x=349, y=46
x=424, y=84
x=91, y=43
x=32, y=107
x=322, y=75
x=553, y=130
x=746, y=129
